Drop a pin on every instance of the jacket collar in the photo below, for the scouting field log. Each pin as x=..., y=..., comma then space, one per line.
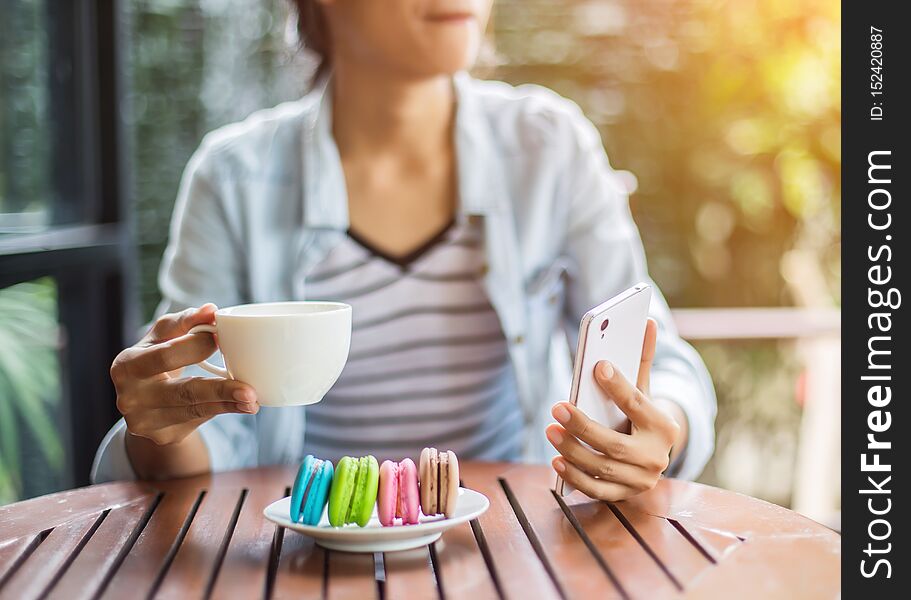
x=325, y=198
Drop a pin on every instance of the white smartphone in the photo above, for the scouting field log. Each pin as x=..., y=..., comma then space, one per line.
x=613, y=331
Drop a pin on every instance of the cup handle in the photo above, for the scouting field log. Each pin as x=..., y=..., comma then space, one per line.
x=206, y=365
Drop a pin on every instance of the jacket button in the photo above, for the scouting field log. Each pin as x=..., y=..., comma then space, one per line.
x=519, y=339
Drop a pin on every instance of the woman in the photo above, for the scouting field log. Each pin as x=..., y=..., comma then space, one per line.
x=465, y=221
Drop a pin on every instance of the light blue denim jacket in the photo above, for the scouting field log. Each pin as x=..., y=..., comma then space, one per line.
x=264, y=200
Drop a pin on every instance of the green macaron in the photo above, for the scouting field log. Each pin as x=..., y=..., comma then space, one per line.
x=354, y=489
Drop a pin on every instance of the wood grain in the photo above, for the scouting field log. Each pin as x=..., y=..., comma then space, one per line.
x=141, y=566
x=775, y=567
x=49, y=560
x=716, y=543
x=243, y=571
x=721, y=510
x=351, y=576
x=14, y=552
x=92, y=566
x=409, y=574
x=677, y=555
x=46, y=512
x=197, y=557
x=638, y=574
x=574, y=565
x=301, y=568
x=462, y=571
x=511, y=551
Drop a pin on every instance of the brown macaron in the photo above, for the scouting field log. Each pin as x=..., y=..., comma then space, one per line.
x=439, y=475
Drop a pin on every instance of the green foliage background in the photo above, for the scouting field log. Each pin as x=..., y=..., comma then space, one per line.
x=24, y=144
x=31, y=452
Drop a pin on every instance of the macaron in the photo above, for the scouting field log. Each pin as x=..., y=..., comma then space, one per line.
x=398, y=493
x=311, y=490
x=353, y=491
x=439, y=472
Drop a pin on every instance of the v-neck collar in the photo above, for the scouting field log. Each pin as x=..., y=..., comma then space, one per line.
x=407, y=260
x=325, y=197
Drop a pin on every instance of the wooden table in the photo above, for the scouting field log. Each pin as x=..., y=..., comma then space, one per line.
x=206, y=537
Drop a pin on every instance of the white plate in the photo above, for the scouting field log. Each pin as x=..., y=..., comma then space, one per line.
x=374, y=537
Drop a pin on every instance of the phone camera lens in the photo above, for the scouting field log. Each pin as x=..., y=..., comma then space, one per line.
x=604, y=324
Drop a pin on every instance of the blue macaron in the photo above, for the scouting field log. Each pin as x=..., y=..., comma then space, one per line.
x=311, y=490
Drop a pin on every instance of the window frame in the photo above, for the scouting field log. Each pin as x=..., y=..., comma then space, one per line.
x=92, y=260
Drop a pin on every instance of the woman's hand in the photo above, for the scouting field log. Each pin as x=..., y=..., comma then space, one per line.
x=618, y=465
x=155, y=402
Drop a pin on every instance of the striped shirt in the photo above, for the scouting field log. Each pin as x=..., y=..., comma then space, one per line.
x=428, y=363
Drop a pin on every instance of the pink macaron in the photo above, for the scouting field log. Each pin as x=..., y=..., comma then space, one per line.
x=398, y=493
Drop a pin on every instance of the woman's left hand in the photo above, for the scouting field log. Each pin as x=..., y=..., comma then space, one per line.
x=618, y=465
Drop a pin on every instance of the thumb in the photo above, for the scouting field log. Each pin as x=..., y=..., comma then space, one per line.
x=174, y=325
x=648, y=355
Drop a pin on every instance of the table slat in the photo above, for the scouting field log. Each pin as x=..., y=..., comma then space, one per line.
x=462, y=571
x=409, y=574
x=722, y=510
x=510, y=549
x=140, y=568
x=351, y=576
x=93, y=564
x=637, y=573
x=678, y=555
x=300, y=569
x=775, y=567
x=53, y=554
x=573, y=564
x=42, y=513
x=244, y=569
x=716, y=544
x=197, y=557
x=12, y=552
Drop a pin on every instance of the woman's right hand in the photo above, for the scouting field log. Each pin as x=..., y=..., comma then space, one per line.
x=155, y=401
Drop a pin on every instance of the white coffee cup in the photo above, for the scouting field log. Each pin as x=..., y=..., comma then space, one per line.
x=290, y=352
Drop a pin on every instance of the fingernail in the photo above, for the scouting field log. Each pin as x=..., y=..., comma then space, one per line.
x=555, y=436
x=247, y=408
x=559, y=467
x=606, y=369
x=561, y=413
x=244, y=395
